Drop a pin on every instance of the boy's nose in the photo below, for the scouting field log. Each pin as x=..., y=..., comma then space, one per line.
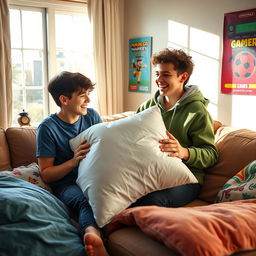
x=159, y=78
x=87, y=99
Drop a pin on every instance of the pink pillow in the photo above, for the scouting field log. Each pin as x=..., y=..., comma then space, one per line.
x=213, y=230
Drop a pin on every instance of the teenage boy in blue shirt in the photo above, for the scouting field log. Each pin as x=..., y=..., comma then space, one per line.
x=58, y=164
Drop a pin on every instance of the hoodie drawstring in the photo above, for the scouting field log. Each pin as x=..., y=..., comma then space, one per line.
x=172, y=118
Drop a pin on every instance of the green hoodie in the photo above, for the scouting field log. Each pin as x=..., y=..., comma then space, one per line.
x=191, y=124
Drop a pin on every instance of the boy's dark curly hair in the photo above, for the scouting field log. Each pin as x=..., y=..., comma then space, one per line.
x=67, y=83
x=180, y=60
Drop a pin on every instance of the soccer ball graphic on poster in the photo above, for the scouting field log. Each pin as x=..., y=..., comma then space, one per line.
x=243, y=64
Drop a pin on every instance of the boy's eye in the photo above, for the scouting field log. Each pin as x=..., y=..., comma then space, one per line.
x=166, y=74
x=87, y=93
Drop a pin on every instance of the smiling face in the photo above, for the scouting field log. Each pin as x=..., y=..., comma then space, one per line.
x=76, y=105
x=168, y=81
x=79, y=101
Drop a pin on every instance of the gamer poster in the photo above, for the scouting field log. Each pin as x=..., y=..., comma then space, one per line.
x=139, y=64
x=239, y=53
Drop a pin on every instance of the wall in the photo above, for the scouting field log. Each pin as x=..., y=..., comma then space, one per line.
x=150, y=18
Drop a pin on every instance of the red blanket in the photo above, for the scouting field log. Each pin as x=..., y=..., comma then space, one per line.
x=211, y=230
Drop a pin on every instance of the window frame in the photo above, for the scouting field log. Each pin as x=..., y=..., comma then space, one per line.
x=49, y=9
x=44, y=51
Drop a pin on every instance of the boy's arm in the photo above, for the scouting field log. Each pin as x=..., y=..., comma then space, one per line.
x=202, y=153
x=50, y=172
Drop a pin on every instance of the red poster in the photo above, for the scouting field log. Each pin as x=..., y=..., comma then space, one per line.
x=239, y=53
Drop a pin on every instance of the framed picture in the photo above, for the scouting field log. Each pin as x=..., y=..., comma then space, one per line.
x=139, y=64
x=239, y=53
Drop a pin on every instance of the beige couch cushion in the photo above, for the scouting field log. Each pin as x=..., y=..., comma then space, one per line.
x=237, y=148
x=131, y=241
x=22, y=145
x=4, y=152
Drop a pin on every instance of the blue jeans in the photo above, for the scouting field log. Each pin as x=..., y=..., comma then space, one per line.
x=170, y=197
x=73, y=197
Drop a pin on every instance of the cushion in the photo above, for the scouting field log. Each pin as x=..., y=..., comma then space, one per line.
x=17, y=137
x=241, y=186
x=237, y=148
x=213, y=230
x=30, y=173
x=125, y=163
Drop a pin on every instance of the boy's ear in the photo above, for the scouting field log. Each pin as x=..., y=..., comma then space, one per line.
x=63, y=99
x=184, y=77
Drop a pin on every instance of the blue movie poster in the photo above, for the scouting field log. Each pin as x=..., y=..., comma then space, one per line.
x=139, y=64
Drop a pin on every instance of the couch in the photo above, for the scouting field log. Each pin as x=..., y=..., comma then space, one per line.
x=237, y=148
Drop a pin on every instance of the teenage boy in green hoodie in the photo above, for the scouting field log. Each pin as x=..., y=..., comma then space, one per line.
x=188, y=123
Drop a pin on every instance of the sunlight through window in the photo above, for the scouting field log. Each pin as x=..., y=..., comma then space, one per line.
x=204, y=43
x=205, y=75
x=178, y=33
x=74, y=47
x=204, y=47
x=240, y=111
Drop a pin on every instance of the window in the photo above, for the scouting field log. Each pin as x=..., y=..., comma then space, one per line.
x=46, y=38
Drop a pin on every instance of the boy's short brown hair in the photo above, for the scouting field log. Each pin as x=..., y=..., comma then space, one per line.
x=66, y=83
x=180, y=60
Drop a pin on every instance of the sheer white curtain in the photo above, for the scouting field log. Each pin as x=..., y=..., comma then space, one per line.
x=107, y=22
x=5, y=67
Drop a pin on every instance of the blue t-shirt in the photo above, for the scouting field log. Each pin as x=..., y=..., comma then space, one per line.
x=53, y=137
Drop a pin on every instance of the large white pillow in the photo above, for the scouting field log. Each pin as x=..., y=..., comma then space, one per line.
x=125, y=163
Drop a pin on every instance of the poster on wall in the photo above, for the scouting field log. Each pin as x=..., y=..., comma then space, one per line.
x=139, y=64
x=239, y=53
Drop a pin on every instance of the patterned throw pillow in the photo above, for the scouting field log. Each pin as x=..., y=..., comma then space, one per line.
x=29, y=173
x=241, y=186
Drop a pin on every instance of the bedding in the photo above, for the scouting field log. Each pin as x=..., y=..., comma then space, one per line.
x=34, y=222
x=125, y=163
x=218, y=229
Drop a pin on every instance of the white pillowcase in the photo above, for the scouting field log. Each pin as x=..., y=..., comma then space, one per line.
x=126, y=163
